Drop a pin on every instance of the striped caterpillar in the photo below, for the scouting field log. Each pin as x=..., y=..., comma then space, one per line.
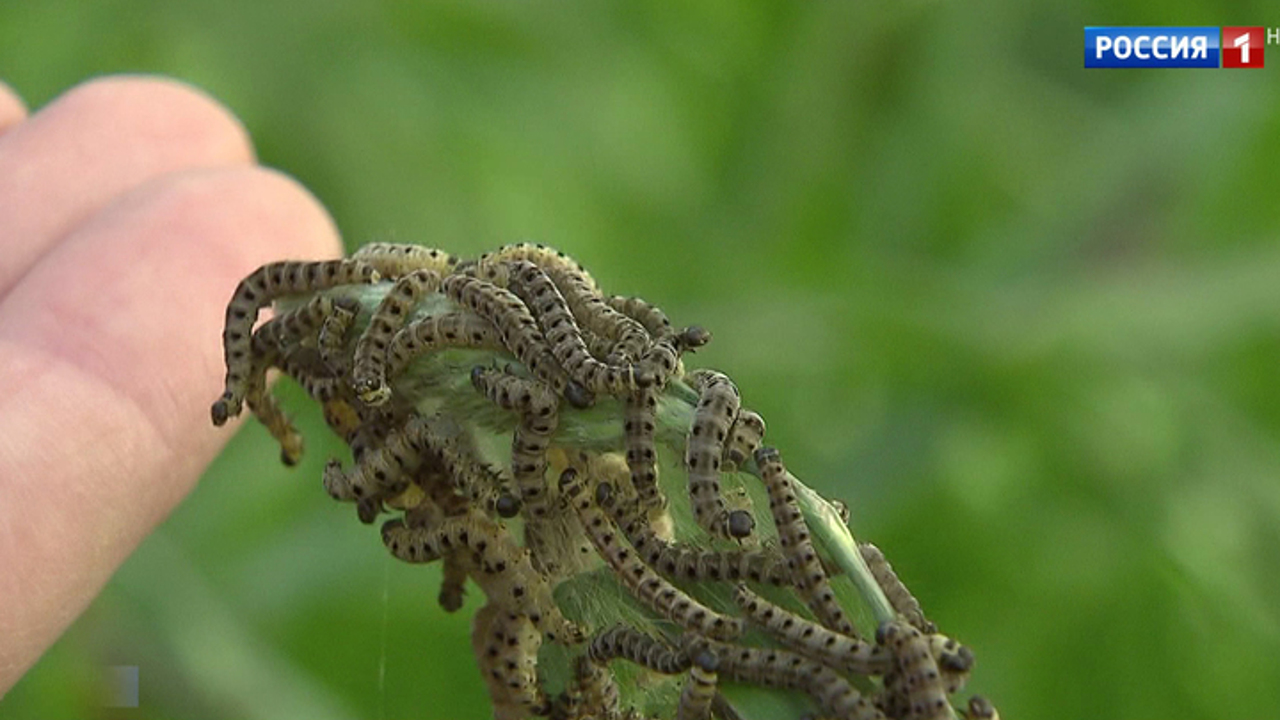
x=700, y=689
x=648, y=586
x=783, y=669
x=716, y=411
x=810, y=578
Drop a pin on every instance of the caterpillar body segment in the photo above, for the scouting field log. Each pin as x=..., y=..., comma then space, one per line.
x=639, y=424
x=793, y=535
x=260, y=288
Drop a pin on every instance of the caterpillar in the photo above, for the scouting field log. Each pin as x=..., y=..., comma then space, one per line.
x=580, y=293
x=331, y=342
x=745, y=435
x=428, y=334
x=627, y=643
x=678, y=560
x=497, y=563
x=981, y=708
x=382, y=468
x=783, y=669
x=639, y=423
x=256, y=291
x=793, y=534
x=843, y=653
x=648, y=586
x=533, y=285
x=662, y=360
x=903, y=602
x=700, y=689
x=955, y=661
x=538, y=406
x=369, y=374
x=592, y=693
x=717, y=408
x=453, y=583
x=519, y=332
x=492, y=265
x=269, y=342
x=506, y=647
x=917, y=682
x=393, y=260
x=651, y=317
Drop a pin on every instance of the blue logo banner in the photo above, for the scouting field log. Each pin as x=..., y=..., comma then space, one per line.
x=1151, y=47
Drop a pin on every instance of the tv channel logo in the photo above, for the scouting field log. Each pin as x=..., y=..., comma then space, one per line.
x=1242, y=47
x=1151, y=47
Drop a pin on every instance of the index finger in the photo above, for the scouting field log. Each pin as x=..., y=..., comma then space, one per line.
x=12, y=109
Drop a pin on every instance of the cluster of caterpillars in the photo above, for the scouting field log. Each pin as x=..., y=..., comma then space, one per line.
x=564, y=348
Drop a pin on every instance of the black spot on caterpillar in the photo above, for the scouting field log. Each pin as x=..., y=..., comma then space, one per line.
x=369, y=374
x=783, y=669
x=393, y=260
x=903, y=602
x=840, y=652
x=717, y=408
x=648, y=586
x=457, y=329
x=688, y=562
x=506, y=648
x=916, y=686
x=255, y=292
x=627, y=643
x=699, y=689
x=496, y=562
x=793, y=535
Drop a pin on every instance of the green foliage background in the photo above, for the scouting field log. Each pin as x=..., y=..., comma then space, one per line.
x=1024, y=317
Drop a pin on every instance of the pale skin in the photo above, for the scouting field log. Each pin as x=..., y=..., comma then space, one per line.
x=129, y=209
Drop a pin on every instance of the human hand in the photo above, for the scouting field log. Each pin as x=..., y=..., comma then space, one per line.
x=129, y=209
